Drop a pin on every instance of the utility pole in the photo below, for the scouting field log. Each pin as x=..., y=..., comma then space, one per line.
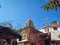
x=0, y=6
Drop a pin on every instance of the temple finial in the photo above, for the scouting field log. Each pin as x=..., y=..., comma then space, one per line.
x=29, y=23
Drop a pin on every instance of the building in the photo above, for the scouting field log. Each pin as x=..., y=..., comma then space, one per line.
x=53, y=31
x=8, y=36
x=30, y=35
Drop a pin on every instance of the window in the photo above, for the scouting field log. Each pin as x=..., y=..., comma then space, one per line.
x=55, y=28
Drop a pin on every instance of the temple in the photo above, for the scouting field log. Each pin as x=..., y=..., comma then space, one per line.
x=30, y=35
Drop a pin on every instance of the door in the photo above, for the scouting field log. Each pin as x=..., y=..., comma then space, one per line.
x=47, y=42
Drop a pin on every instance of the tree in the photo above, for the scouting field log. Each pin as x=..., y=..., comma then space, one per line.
x=52, y=4
x=54, y=22
x=19, y=30
x=8, y=24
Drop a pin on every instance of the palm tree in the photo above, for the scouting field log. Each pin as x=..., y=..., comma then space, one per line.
x=52, y=4
x=8, y=24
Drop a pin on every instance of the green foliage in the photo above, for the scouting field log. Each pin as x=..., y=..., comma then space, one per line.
x=52, y=4
x=54, y=22
x=19, y=30
x=47, y=6
x=8, y=24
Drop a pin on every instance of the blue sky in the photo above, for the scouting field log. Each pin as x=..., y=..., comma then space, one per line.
x=18, y=11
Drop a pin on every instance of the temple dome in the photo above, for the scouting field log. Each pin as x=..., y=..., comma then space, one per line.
x=29, y=23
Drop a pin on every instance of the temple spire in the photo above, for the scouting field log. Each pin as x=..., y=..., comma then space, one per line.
x=29, y=23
